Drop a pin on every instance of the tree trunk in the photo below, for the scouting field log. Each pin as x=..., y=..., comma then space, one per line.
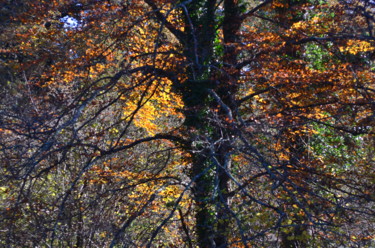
x=210, y=155
x=202, y=190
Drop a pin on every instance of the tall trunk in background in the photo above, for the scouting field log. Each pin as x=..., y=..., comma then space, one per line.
x=226, y=90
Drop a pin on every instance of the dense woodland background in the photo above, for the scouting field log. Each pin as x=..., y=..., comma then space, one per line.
x=157, y=123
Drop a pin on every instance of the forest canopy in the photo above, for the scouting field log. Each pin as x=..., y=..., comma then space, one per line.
x=158, y=123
